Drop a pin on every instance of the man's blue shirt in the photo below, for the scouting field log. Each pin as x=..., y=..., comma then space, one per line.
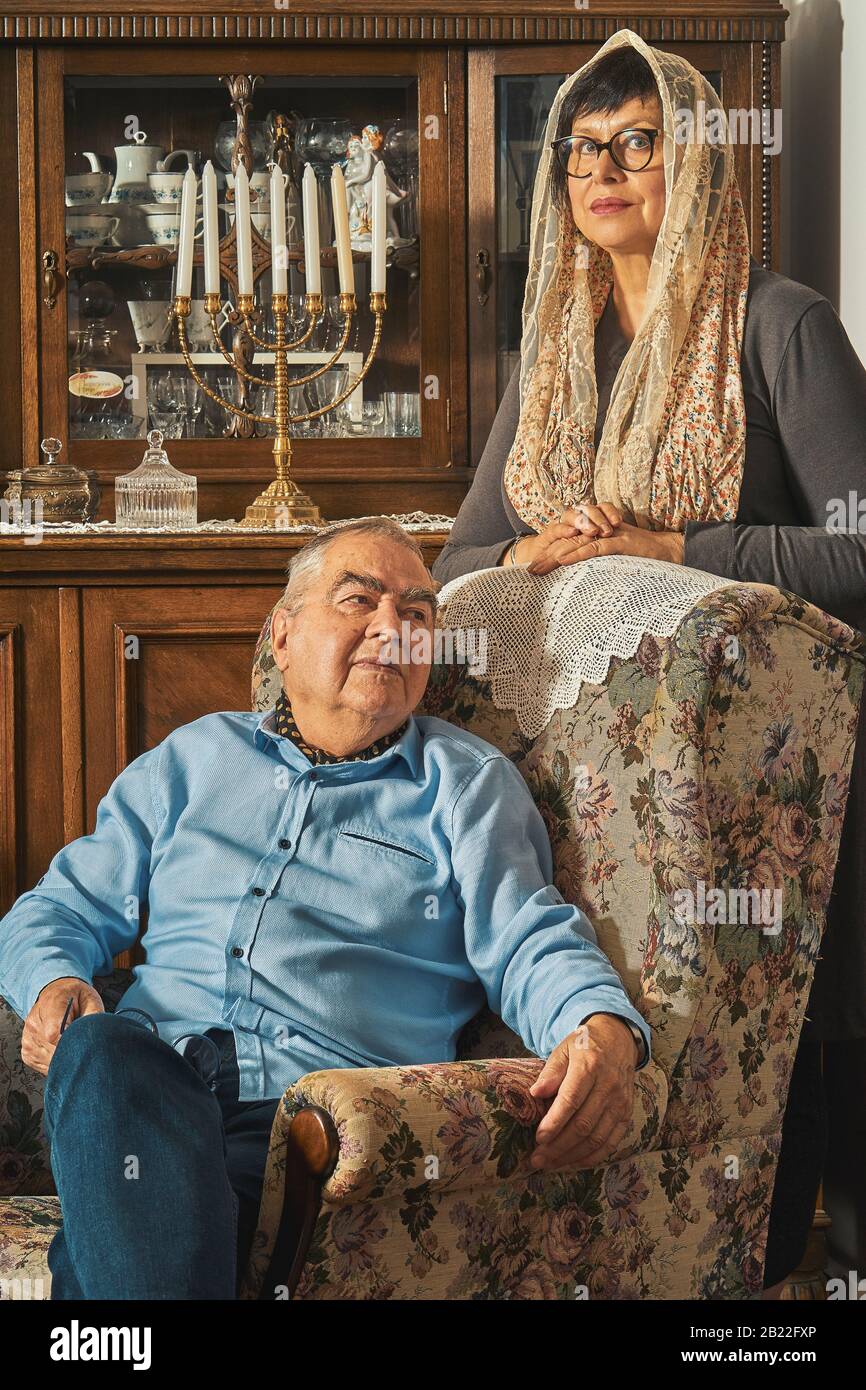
x=349, y=914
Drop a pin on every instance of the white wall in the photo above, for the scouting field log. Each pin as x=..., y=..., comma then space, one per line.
x=823, y=161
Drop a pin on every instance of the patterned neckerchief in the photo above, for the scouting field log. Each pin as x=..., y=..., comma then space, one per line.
x=284, y=724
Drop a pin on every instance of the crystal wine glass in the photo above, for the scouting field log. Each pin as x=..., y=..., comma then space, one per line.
x=190, y=399
x=324, y=389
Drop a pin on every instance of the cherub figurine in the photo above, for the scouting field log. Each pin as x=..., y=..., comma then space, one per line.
x=357, y=174
x=363, y=156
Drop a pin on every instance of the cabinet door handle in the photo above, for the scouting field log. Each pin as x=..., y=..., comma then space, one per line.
x=482, y=274
x=50, y=278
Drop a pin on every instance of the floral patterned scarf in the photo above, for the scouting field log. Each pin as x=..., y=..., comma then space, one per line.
x=673, y=444
x=284, y=723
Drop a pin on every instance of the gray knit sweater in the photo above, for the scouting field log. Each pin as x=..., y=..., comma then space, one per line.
x=805, y=396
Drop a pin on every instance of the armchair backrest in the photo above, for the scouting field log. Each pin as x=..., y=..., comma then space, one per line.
x=697, y=767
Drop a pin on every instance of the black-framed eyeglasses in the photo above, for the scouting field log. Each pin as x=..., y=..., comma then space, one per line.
x=630, y=149
x=202, y=1053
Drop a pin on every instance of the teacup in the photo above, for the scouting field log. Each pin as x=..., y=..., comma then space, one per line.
x=165, y=188
x=260, y=220
x=164, y=226
x=83, y=190
x=198, y=329
x=260, y=186
x=91, y=229
x=151, y=320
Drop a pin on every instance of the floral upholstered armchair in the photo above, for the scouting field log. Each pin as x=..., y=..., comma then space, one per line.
x=683, y=768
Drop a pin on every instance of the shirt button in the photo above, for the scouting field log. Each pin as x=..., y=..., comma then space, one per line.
x=313, y=774
x=237, y=950
x=285, y=844
x=258, y=892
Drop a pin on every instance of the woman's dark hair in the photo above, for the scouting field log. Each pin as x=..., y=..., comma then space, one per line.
x=621, y=76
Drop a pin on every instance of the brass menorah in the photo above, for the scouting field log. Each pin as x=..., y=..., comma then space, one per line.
x=282, y=504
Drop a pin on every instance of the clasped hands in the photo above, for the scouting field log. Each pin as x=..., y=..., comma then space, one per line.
x=593, y=529
x=591, y=1075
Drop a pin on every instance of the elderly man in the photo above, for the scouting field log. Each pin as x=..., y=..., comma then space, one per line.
x=334, y=883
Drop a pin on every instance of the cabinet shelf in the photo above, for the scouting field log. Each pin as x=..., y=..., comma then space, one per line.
x=406, y=258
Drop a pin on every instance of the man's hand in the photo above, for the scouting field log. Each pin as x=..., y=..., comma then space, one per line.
x=591, y=1073
x=42, y=1024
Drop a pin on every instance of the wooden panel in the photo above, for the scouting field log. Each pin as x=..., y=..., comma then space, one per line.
x=51, y=221
x=31, y=790
x=390, y=21
x=165, y=676
x=156, y=658
x=71, y=731
x=151, y=562
x=433, y=219
x=456, y=201
x=11, y=229
x=9, y=710
x=481, y=242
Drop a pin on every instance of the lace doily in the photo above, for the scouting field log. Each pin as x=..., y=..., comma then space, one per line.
x=410, y=521
x=547, y=634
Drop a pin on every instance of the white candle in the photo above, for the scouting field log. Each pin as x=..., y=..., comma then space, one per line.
x=211, y=230
x=312, y=263
x=279, y=277
x=243, y=234
x=341, y=224
x=377, y=267
x=187, y=234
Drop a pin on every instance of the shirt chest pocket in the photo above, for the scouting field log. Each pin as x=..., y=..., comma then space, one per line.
x=370, y=846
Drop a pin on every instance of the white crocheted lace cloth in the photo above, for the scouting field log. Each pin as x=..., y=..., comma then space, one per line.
x=547, y=634
x=410, y=521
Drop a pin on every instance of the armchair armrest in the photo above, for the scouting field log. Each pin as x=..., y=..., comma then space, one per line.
x=410, y=1133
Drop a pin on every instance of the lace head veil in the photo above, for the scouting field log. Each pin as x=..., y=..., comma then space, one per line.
x=673, y=443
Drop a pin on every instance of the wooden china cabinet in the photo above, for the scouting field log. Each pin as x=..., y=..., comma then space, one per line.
x=460, y=94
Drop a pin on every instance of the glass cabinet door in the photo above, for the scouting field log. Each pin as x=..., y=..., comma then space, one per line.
x=131, y=127
x=522, y=108
x=509, y=96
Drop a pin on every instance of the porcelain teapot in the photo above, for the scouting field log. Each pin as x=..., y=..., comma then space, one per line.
x=134, y=162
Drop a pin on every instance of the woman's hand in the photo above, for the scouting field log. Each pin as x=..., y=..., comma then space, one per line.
x=530, y=548
x=593, y=518
x=575, y=523
x=622, y=540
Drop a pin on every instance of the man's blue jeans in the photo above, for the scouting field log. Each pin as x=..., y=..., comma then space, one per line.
x=159, y=1177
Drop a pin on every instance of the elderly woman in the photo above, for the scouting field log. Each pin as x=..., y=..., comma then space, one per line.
x=677, y=401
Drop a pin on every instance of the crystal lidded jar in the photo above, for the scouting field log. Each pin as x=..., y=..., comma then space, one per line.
x=156, y=493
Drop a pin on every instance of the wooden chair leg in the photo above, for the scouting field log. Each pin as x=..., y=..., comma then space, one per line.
x=809, y=1280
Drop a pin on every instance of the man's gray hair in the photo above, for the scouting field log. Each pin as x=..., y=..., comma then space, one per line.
x=306, y=564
